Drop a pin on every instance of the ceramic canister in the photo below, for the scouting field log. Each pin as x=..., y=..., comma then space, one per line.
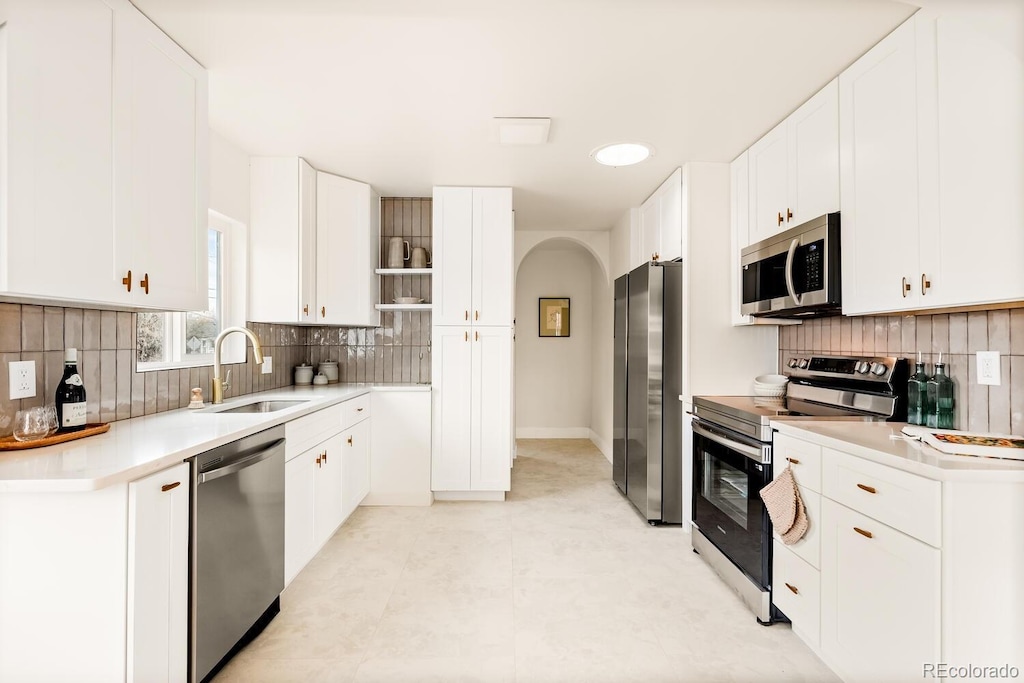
x=330, y=369
x=303, y=374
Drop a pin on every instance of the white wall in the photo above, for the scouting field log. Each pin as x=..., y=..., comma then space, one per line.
x=229, y=179
x=602, y=347
x=553, y=376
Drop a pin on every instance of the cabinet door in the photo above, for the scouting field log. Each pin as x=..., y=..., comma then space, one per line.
x=491, y=409
x=650, y=229
x=670, y=221
x=160, y=166
x=275, y=244
x=813, y=164
x=355, y=474
x=346, y=248
x=971, y=249
x=327, y=513
x=158, y=512
x=768, y=177
x=878, y=118
x=452, y=283
x=876, y=582
x=492, y=256
x=300, y=475
x=58, y=176
x=307, y=262
x=453, y=394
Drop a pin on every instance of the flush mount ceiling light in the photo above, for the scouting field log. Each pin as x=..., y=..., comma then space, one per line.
x=622, y=153
x=522, y=130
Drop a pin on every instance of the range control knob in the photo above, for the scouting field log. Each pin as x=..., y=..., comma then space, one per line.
x=878, y=369
x=803, y=363
x=863, y=367
x=792, y=362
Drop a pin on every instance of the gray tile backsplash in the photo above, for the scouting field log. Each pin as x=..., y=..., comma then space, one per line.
x=958, y=336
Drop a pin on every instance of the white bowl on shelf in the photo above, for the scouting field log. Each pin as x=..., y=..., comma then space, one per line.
x=406, y=300
x=772, y=380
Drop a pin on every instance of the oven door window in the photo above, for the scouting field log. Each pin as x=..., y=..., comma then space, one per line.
x=727, y=506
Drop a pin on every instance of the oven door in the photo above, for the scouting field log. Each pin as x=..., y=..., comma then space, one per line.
x=729, y=472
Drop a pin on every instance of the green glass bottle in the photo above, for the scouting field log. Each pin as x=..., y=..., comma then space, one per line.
x=917, y=394
x=941, y=413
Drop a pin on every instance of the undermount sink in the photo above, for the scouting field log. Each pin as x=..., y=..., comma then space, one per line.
x=261, y=407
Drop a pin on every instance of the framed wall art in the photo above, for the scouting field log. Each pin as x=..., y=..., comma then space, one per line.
x=553, y=320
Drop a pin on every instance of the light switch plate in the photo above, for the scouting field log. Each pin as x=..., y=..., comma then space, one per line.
x=988, y=368
x=23, y=378
x=268, y=365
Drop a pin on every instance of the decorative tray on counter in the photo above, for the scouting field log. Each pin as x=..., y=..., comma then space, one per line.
x=9, y=443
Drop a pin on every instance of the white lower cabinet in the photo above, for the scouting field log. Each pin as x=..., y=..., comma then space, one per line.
x=400, y=442
x=880, y=598
x=299, y=499
x=158, y=512
x=796, y=590
x=355, y=467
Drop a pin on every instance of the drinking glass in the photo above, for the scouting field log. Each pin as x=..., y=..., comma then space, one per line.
x=32, y=424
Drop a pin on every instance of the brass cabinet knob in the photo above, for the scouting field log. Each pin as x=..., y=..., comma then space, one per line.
x=465, y=335
x=350, y=441
x=145, y=282
x=467, y=315
x=305, y=310
x=325, y=457
x=476, y=335
x=781, y=218
x=789, y=214
x=127, y=281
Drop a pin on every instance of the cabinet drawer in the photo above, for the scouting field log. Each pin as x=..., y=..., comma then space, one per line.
x=808, y=548
x=796, y=590
x=803, y=457
x=904, y=501
x=355, y=410
x=306, y=432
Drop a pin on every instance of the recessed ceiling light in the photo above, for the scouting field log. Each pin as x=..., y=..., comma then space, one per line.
x=622, y=153
x=522, y=130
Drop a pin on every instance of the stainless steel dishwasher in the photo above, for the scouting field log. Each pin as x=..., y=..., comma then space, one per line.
x=237, y=552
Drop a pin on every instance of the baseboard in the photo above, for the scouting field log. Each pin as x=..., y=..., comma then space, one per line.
x=602, y=445
x=553, y=433
x=470, y=495
x=402, y=499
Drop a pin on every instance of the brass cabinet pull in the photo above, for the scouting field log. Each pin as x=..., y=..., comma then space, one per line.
x=793, y=460
x=168, y=487
x=467, y=315
x=869, y=489
x=318, y=460
x=127, y=281
x=925, y=284
x=476, y=315
x=906, y=288
x=325, y=457
x=465, y=335
x=781, y=218
x=145, y=282
x=323, y=311
x=789, y=214
x=305, y=310
x=657, y=256
x=476, y=335
x=350, y=441
x=792, y=588
x=865, y=534
x=359, y=410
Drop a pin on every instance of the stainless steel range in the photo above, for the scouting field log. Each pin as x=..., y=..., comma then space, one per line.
x=732, y=458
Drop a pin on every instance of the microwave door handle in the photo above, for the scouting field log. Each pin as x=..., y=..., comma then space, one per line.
x=790, y=257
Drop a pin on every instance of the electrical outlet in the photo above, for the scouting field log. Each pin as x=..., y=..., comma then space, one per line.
x=23, y=378
x=988, y=368
x=268, y=365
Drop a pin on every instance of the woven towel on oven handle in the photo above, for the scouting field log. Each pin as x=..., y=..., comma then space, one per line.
x=785, y=508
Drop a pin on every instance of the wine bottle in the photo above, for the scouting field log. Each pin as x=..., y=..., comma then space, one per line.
x=70, y=400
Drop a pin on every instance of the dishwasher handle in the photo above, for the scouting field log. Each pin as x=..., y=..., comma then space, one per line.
x=241, y=464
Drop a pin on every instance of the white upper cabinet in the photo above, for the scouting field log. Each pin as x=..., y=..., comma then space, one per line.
x=932, y=161
x=794, y=169
x=106, y=162
x=318, y=235
x=879, y=162
x=347, y=238
x=661, y=222
x=473, y=256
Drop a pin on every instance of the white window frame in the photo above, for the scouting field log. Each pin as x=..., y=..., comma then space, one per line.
x=233, y=299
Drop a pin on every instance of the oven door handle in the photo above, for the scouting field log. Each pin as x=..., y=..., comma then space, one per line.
x=749, y=451
x=790, y=257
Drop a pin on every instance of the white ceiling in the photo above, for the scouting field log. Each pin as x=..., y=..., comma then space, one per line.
x=401, y=93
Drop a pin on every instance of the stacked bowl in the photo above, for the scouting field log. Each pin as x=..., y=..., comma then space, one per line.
x=773, y=386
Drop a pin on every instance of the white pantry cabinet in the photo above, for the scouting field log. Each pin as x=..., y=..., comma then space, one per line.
x=158, y=514
x=794, y=169
x=472, y=409
x=282, y=240
x=106, y=162
x=473, y=256
x=661, y=222
x=99, y=575
x=930, y=193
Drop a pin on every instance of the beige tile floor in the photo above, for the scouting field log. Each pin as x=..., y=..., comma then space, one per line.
x=562, y=582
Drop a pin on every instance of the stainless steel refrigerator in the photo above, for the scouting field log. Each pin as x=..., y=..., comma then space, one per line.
x=647, y=440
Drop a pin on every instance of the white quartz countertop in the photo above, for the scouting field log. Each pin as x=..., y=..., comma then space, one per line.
x=882, y=442
x=142, y=445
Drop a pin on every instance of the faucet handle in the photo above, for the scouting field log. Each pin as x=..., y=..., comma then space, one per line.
x=227, y=380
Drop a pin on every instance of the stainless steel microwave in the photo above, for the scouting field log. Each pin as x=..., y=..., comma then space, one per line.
x=794, y=274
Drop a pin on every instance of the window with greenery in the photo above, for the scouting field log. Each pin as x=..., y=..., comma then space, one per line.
x=167, y=340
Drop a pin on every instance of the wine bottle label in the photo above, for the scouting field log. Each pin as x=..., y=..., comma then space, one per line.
x=75, y=380
x=73, y=414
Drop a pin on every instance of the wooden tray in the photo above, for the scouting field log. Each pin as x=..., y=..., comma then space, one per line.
x=9, y=443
